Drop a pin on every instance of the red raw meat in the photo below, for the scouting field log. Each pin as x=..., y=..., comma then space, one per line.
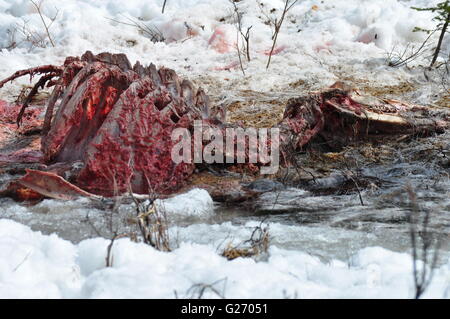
x=117, y=121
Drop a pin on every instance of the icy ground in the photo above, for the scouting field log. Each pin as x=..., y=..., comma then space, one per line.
x=312, y=254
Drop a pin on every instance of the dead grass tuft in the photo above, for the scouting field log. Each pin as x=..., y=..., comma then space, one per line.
x=257, y=244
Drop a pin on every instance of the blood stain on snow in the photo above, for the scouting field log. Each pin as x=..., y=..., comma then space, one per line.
x=220, y=40
x=276, y=50
x=227, y=67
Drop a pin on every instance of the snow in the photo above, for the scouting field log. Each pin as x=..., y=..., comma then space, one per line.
x=33, y=265
x=317, y=37
x=320, y=42
x=197, y=202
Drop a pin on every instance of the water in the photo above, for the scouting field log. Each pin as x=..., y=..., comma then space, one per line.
x=325, y=218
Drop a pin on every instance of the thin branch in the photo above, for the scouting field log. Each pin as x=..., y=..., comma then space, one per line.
x=400, y=58
x=47, y=27
x=198, y=290
x=277, y=27
x=441, y=38
x=153, y=32
x=244, y=35
x=424, y=275
x=239, y=54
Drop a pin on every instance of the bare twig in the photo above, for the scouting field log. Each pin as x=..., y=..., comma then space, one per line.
x=109, y=259
x=47, y=27
x=152, y=32
x=198, y=290
x=350, y=176
x=441, y=38
x=164, y=6
x=276, y=24
x=428, y=252
x=442, y=11
x=31, y=36
x=11, y=33
x=152, y=223
x=244, y=35
x=112, y=227
x=257, y=244
x=400, y=58
x=239, y=54
x=23, y=261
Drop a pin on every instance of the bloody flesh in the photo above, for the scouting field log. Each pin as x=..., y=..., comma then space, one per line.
x=117, y=120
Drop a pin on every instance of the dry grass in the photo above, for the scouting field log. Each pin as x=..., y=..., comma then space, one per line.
x=150, y=31
x=255, y=109
x=257, y=244
x=153, y=224
x=44, y=23
x=444, y=101
x=32, y=36
x=367, y=87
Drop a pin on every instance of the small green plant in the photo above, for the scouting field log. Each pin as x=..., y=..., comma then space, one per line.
x=442, y=10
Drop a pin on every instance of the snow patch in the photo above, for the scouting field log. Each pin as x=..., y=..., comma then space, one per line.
x=36, y=266
x=196, y=202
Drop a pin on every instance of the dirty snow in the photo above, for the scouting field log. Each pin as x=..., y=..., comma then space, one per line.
x=320, y=42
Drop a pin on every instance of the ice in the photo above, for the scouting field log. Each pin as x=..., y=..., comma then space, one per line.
x=196, y=202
